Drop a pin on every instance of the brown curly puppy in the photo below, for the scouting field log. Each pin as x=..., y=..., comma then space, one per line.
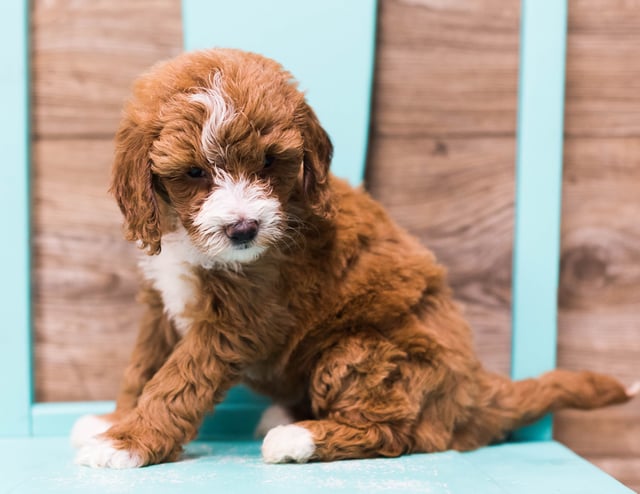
x=265, y=269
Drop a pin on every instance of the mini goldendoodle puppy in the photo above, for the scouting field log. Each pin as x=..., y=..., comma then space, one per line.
x=263, y=268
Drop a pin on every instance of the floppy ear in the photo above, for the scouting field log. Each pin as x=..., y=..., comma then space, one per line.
x=132, y=185
x=318, y=151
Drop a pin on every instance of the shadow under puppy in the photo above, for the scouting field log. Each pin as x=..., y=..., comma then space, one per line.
x=263, y=268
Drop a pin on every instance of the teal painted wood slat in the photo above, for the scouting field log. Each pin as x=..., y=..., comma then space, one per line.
x=15, y=350
x=235, y=418
x=37, y=465
x=329, y=46
x=538, y=192
x=56, y=419
x=543, y=467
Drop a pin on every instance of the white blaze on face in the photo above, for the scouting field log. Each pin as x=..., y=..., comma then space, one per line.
x=231, y=201
x=220, y=111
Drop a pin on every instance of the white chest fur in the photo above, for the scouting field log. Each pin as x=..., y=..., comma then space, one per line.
x=172, y=273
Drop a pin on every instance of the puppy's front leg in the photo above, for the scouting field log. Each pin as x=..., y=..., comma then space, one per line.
x=171, y=407
x=156, y=340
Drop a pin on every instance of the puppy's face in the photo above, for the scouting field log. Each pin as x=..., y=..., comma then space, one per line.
x=227, y=166
x=220, y=143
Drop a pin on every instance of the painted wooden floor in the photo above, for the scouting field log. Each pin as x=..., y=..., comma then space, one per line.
x=45, y=465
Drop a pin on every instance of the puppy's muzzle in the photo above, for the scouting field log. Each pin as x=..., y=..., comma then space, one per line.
x=242, y=232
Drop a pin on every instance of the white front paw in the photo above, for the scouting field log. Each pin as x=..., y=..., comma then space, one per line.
x=101, y=453
x=87, y=428
x=287, y=443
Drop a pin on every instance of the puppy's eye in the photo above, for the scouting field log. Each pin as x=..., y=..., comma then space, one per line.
x=195, y=172
x=268, y=161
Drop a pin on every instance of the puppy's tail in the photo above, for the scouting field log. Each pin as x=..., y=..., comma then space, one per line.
x=505, y=405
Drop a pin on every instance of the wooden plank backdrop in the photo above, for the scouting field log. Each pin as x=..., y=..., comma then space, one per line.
x=441, y=160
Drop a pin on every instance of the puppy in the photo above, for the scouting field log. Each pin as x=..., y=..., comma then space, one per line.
x=263, y=268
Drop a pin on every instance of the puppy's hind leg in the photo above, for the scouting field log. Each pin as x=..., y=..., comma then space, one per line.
x=367, y=397
x=329, y=440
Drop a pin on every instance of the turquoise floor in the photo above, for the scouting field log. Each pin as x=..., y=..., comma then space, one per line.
x=45, y=465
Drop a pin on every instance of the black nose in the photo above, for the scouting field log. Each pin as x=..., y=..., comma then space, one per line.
x=242, y=232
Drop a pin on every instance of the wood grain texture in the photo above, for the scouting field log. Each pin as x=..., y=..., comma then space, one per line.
x=457, y=197
x=86, y=56
x=602, y=92
x=443, y=146
x=84, y=273
x=441, y=161
x=447, y=68
x=599, y=297
x=600, y=272
x=599, y=312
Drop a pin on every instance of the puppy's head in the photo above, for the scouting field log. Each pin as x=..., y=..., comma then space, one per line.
x=222, y=144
